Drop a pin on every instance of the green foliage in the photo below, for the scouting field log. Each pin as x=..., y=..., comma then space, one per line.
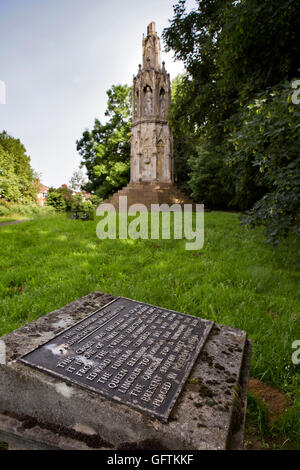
x=17, y=178
x=62, y=199
x=105, y=150
x=56, y=199
x=210, y=180
x=257, y=414
x=184, y=132
x=235, y=48
x=79, y=203
x=234, y=52
x=9, y=184
x=23, y=210
x=234, y=280
x=4, y=211
x=95, y=200
x=268, y=140
x=67, y=196
x=77, y=181
x=29, y=210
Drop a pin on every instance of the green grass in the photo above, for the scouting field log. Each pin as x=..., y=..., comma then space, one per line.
x=12, y=218
x=235, y=280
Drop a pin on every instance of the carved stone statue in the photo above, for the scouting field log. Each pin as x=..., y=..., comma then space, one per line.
x=163, y=104
x=148, y=101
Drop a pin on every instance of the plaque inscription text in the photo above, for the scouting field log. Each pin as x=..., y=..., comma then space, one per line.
x=128, y=351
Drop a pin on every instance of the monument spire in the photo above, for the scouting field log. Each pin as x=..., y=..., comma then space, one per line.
x=151, y=159
x=152, y=143
x=151, y=49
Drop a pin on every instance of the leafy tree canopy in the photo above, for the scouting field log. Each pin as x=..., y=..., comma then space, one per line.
x=18, y=181
x=56, y=199
x=236, y=52
x=77, y=181
x=105, y=150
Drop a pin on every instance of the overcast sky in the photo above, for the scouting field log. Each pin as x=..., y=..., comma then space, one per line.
x=58, y=58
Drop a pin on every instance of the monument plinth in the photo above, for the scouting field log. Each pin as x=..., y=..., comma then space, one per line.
x=42, y=410
x=151, y=162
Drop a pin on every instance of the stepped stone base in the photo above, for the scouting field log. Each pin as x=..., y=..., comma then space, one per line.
x=151, y=193
x=38, y=411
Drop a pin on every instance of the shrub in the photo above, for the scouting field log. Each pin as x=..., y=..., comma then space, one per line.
x=4, y=211
x=268, y=141
x=56, y=200
x=26, y=210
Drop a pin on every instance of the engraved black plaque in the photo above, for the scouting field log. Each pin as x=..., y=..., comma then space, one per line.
x=128, y=351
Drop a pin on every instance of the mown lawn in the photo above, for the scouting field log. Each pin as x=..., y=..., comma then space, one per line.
x=235, y=280
x=11, y=218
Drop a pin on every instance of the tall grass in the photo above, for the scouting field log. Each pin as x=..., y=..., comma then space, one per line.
x=235, y=280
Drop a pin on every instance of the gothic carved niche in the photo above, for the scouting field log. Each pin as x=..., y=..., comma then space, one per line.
x=163, y=82
x=149, y=53
x=147, y=152
x=136, y=147
x=160, y=158
x=163, y=105
x=148, y=101
x=147, y=81
x=136, y=105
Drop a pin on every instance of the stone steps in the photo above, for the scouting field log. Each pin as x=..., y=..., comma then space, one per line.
x=150, y=193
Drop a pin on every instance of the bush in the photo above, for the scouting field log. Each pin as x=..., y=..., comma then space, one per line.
x=56, y=199
x=268, y=142
x=211, y=181
x=95, y=200
x=4, y=211
x=26, y=210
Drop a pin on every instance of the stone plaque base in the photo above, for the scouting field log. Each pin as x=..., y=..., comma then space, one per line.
x=38, y=411
x=129, y=351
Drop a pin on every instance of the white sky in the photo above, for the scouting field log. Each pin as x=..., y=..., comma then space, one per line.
x=58, y=58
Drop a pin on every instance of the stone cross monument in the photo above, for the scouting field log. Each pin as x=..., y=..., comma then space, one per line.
x=151, y=160
x=151, y=141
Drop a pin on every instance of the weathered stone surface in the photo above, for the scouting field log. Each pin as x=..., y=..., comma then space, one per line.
x=128, y=351
x=23, y=434
x=209, y=413
x=151, y=161
x=151, y=193
x=151, y=140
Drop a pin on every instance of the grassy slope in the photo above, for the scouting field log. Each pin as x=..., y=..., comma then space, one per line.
x=234, y=280
x=11, y=218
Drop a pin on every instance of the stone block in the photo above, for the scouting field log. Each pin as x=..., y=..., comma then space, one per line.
x=41, y=411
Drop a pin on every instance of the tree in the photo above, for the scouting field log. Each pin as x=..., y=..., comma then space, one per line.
x=56, y=199
x=67, y=196
x=77, y=181
x=199, y=165
x=210, y=180
x=105, y=150
x=268, y=139
x=18, y=176
x=184, y=132
x=233, y=51
x=9, y=184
